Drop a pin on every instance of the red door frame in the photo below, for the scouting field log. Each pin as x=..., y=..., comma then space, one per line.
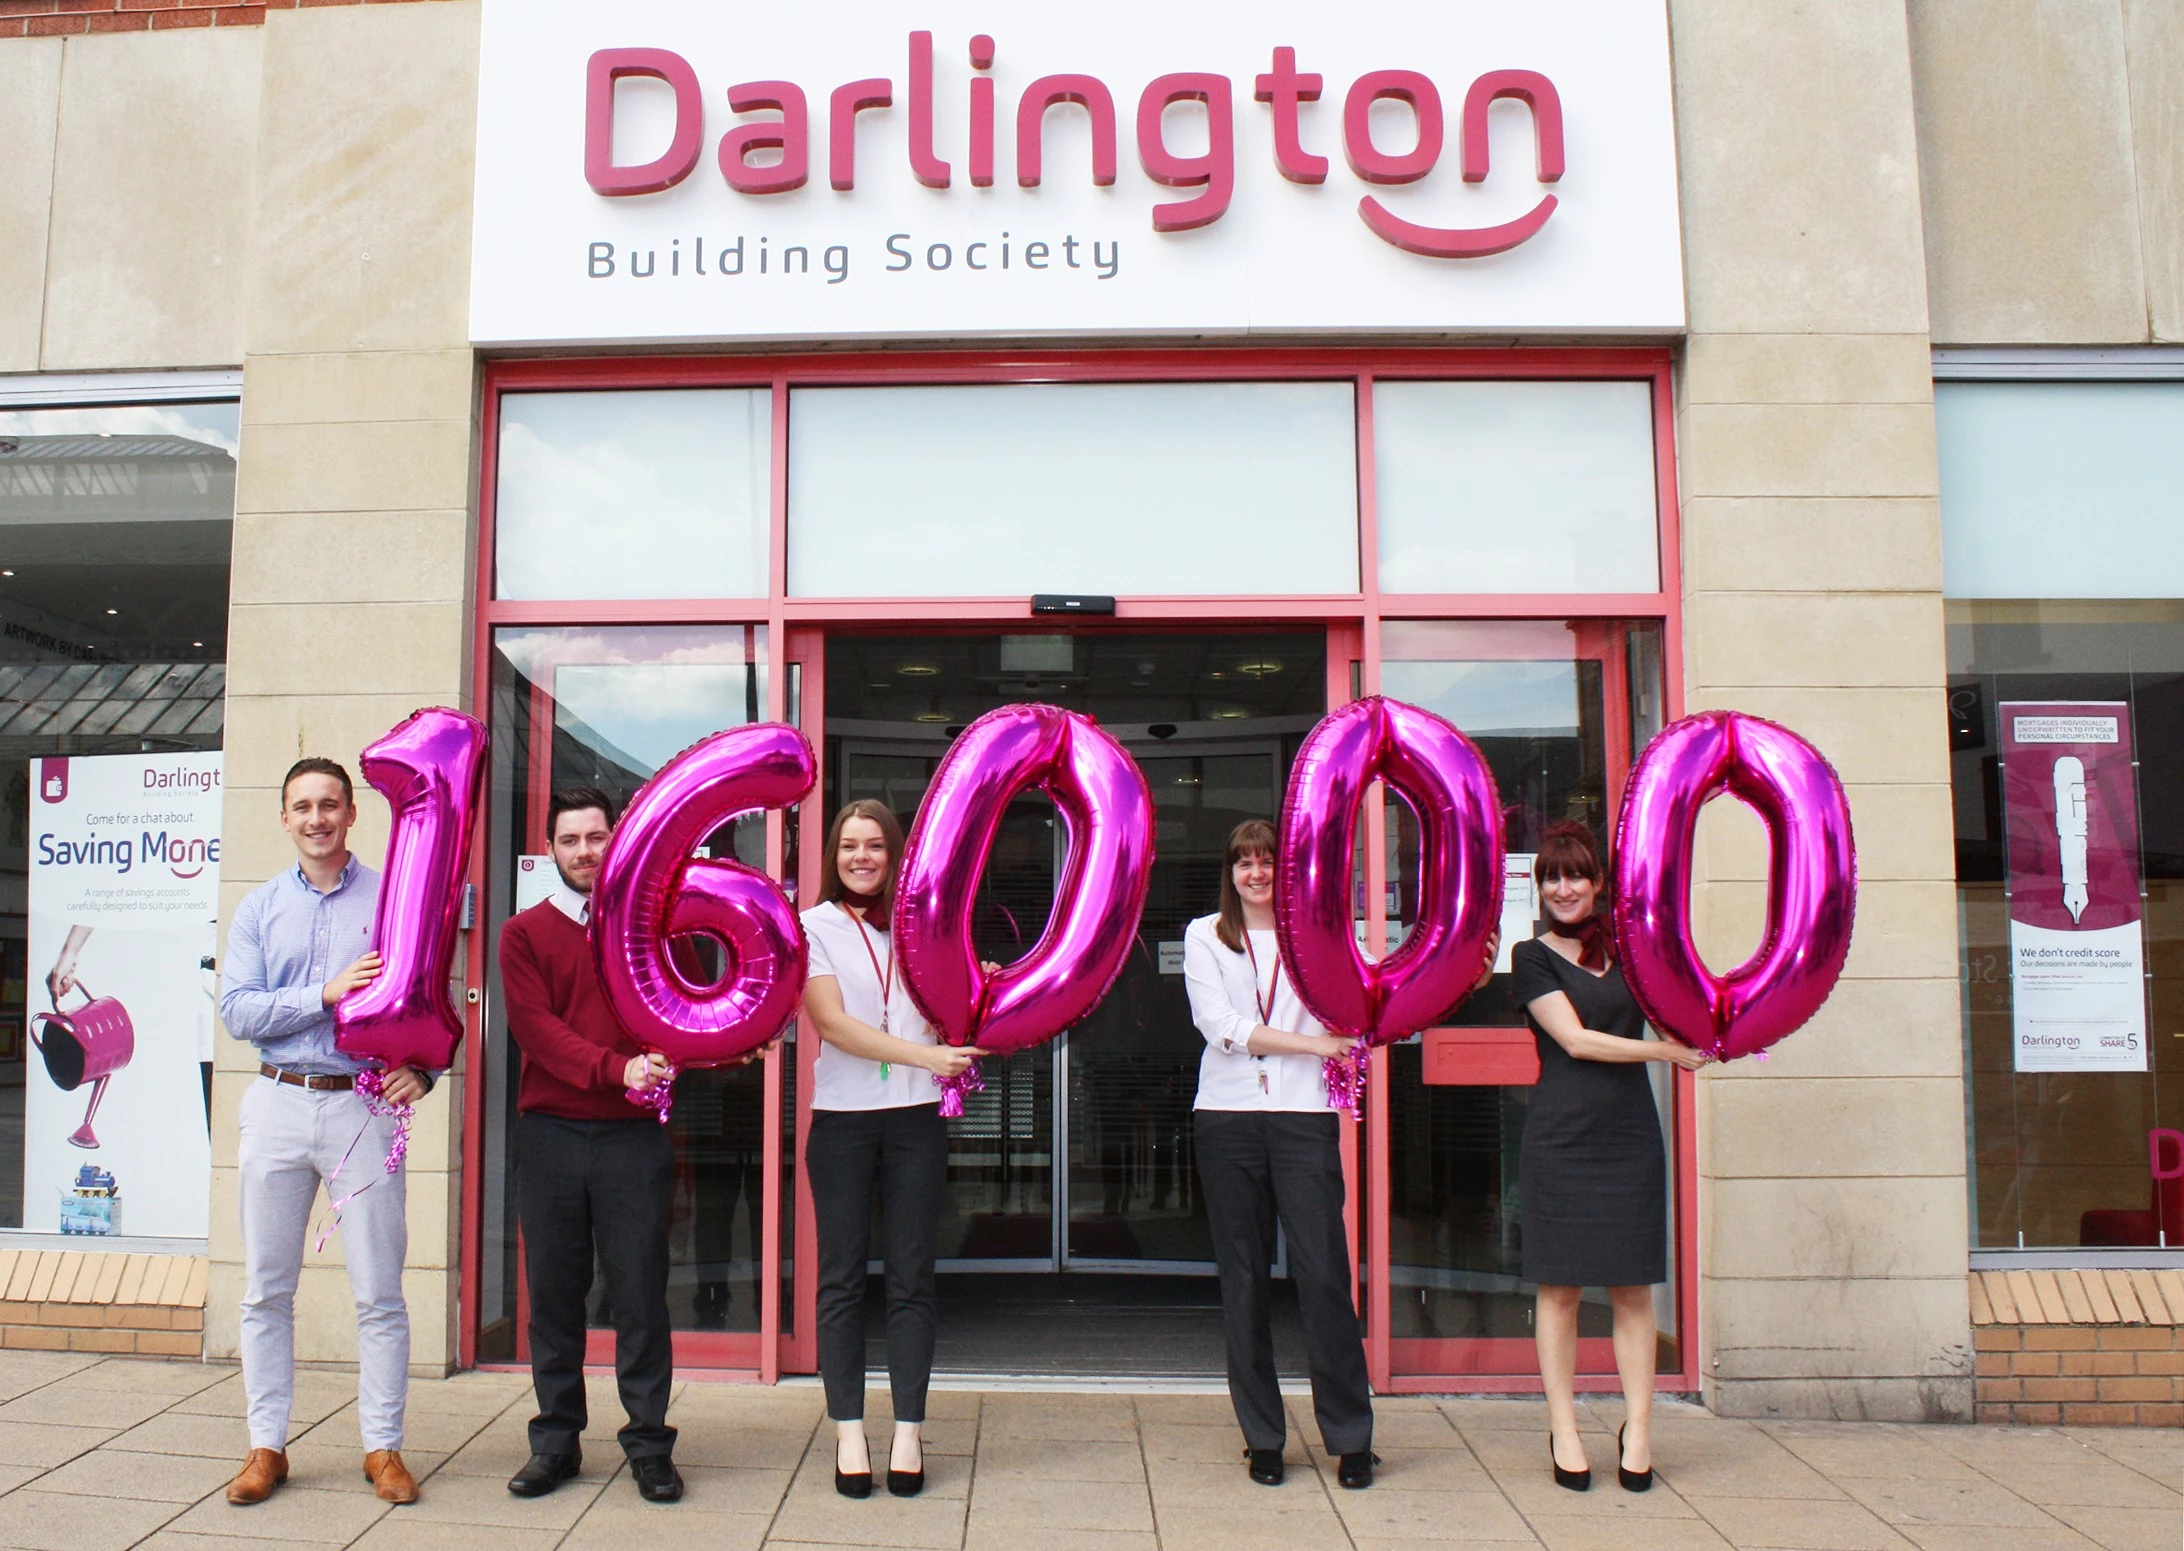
x=1360, y=613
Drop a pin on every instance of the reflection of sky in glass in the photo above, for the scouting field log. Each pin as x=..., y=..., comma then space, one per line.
x=1489, y=697
x=216, y=425
x=648, y=713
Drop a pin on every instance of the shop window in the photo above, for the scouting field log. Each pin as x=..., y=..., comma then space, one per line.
x=607, y=707
x=1105, y=488
x=1490, y=487
x=116, y=524
x=2061, y=489
x=2070, y=886
x=632, y=495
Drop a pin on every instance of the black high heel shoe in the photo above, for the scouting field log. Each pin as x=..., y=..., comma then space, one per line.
x=1630, y=1480
x=905, y=1483
x=851, y=1483
x=1574, y=1480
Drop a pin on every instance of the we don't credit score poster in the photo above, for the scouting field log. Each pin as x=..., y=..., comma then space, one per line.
x=2077, y=949
x=124, y=888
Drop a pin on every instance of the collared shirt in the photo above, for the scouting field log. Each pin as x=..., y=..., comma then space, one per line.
x=577, y=907
x=1225, y=1006
x=286, y=942
x=839, y=1079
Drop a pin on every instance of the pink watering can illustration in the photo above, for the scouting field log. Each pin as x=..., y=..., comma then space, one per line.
x=88, y=1045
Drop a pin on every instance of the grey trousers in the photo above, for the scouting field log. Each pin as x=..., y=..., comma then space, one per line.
x=291, y=1139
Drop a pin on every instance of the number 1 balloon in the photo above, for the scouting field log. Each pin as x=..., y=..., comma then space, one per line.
x=1812, y=882
x=651, y=889
x=430, y=769
x=1108, y=811
x=1450, y=788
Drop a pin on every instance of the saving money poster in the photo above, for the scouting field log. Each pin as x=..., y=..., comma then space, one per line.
x=124, y=889
x=2077, y=939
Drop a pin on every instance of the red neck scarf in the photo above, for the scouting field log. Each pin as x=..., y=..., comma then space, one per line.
x=1595, y=941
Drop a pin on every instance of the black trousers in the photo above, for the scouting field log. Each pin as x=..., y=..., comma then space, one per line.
x=904, y=1152
x=1259, y=1167
x=586, y=1188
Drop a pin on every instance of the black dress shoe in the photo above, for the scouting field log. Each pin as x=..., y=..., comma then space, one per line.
x=1266, y=1466
x=658, y=1481
x=544, y=1472
x=1574, y=1480
x=1630, y=1480
x=1356, y=1470
x=853, y=1483
x=905, y=1483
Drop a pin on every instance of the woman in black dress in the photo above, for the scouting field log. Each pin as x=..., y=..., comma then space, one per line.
x=1592, y=1173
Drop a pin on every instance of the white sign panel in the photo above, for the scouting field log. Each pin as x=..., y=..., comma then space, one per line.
x=671, y=171
x=124, y=888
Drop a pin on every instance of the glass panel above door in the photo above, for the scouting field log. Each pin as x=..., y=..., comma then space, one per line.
x=1005, y=490
x=633, y=495
x=1488, y=487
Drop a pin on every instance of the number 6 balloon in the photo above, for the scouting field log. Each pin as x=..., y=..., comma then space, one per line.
x=652, y=889
x=430, y=770
x=1449, y=786
x=1812, y=882
x=1108, y=810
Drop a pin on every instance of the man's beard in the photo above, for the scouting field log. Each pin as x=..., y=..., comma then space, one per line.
x=571, y=884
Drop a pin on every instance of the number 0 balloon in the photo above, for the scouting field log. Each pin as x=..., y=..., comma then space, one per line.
x=1812, y=882
x=652, y=889
x=1098, y=899
x=1449, y=787
x=429, y=769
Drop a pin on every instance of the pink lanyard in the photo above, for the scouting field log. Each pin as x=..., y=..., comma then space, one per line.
x=886, y=978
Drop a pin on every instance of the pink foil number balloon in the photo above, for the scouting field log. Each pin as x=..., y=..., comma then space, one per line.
x=1108, y=809
x=651, y=889
x=1449, y=787
x=430, y=769
x=1812, y=882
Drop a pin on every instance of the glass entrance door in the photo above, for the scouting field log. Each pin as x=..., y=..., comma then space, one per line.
x=1078, y=1154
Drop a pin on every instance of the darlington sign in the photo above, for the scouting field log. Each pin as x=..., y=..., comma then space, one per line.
x=686, y=171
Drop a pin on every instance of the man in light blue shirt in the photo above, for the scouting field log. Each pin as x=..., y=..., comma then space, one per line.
x=298, y=944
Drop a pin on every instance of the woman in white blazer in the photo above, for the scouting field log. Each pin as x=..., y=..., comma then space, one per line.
x=1268, y=1145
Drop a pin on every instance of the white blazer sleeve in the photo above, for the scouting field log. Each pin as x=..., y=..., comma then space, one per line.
x=1224, y=1027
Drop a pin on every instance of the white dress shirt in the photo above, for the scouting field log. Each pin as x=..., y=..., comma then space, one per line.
x=1226, y=1011
x=577, y=907
x=840, y=1080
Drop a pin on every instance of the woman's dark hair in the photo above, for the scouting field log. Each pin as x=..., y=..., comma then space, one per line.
x=832, y=890
x=1253, y=837
x=575, y=799
x=1568, y=850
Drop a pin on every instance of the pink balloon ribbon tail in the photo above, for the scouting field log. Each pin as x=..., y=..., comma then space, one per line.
x=952, y=1090
x=659, y=1098
x=1345, y=1079
x=371, y=1087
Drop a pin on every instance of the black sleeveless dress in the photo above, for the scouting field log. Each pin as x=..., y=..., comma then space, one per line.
x=1592, y=1172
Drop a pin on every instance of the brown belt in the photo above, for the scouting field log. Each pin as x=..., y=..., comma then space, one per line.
x=317, y=1083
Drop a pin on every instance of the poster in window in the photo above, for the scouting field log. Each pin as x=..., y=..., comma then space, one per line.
x=2077, y=941
x=124, y=888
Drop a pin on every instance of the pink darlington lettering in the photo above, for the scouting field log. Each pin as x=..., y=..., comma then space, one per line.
x=772, y=155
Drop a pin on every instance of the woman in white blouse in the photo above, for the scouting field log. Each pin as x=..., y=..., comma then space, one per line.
x=875, y=1123
x=1268, y=1147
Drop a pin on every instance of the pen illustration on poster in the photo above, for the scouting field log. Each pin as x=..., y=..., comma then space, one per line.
x=2077, y=941
x=124, y=889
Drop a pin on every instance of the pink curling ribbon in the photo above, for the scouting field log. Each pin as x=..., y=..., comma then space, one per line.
x=1345, y=1078
x=371, y=1087
x=952, y=1090
x=659, y=1098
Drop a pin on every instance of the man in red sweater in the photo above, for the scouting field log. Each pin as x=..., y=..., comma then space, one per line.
x=594, y=1173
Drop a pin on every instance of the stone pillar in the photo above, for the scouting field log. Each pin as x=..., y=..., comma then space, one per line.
x=1832, y=1191
x=354, y=521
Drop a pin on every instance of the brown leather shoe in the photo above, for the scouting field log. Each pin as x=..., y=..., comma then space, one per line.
x=389, y=1477
x=263, y=1471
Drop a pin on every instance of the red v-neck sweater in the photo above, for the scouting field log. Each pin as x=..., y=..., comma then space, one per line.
x=575, y=1051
